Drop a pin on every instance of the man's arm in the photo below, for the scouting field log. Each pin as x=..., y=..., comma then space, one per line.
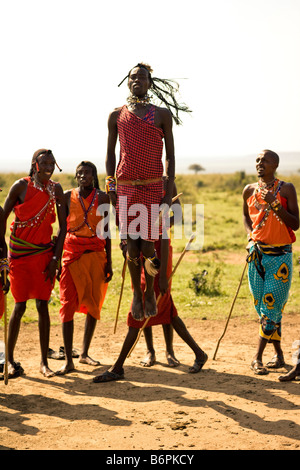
x=163, y=280
x=3, y=251
x=103, y=198
x=246, y=217
x=50, y=270
x=167, y=127
x=110, y=162
x=16, y=194
x=290, y=215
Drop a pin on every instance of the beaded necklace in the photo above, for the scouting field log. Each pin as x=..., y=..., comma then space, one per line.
x=132, y=100
x=274, y=186
x=86, y=212
x=36, y=220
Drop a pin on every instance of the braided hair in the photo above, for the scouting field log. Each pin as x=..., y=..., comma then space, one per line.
x=94, y=171
x=34, y=161
x=165, y=90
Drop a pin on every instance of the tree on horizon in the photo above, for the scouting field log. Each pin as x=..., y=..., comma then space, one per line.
x=196, y=167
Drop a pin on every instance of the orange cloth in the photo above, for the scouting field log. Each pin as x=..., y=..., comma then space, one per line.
x=82, y=286
x=82, y=283
x=272, y=232
x=37, y=213
x=166, y=307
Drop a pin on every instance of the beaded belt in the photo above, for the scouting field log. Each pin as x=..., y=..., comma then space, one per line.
x=138, y=182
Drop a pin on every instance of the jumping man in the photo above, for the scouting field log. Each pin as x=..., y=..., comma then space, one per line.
x=141, y=127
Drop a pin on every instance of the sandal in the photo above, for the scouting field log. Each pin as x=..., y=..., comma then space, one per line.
x=55, y=355
x=258, y=368
x=108, y=376
x=75, y=353
x=198, y=364
x=18, y=371
x=276, y=362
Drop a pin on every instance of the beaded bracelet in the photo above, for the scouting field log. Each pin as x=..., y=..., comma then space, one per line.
x=275, y=205
x=110, y=183
x=4, y=264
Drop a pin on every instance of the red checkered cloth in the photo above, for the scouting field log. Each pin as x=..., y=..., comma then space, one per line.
x=141, y=149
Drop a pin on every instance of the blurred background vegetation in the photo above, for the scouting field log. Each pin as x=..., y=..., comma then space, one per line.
x=206, y=280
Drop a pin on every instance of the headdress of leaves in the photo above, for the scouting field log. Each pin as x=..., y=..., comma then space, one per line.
x=165, y=90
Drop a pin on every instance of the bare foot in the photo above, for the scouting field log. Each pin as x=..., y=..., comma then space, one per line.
x=150, y=305
x=46, y=371
x=66, y=369
x=88, y=360
x=172, y=361
x=137, y=309
x=291, y=375
x=149, y=360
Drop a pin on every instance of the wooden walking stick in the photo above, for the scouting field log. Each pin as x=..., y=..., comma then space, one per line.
x=159, y=297
x=5, y=332
x=121, y=292
x=232, y=305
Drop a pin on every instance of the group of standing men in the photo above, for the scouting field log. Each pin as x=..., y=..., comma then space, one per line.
x=81, y=254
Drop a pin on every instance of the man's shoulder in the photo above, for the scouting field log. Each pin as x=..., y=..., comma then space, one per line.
x=113, y=115
x=163, y=111
x=287, y=189
x=249, y=190
x=116, y=111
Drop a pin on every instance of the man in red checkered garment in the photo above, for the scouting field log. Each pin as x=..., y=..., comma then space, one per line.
x=142, y=127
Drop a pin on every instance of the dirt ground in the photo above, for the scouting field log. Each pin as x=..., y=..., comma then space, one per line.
x=224, y=407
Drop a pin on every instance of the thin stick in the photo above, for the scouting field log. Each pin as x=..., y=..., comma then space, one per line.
x=5, y=333
x=121, y=292
x=232, y=305
x=159, y=297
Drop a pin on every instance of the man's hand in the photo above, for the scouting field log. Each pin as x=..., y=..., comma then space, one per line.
x=5, y=285
x=108, y=272
x=267, y=196
x=50, y=270
x=163, y=284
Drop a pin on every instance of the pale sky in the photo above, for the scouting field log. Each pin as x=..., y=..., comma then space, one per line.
x=237, y=62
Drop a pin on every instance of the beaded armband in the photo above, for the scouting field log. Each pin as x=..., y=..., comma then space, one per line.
x=275, y=205
x=4, y=264
x=110, y=184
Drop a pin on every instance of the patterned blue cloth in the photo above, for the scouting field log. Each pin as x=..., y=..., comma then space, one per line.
x=269, y=282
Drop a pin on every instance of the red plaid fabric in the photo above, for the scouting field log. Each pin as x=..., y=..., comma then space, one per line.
x=141, y=148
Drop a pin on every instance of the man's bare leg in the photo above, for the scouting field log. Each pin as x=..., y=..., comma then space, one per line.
x=200, y=355
x=44, y=330
x=67, y=331
x=117, y=369
x=134, y=266
x=148, y=251
x=170, y=355
x=150, y=356
x=90, y=325
x=13, y=333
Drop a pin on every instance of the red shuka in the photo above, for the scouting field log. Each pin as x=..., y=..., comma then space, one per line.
x=141, y=150
x=36, y=214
